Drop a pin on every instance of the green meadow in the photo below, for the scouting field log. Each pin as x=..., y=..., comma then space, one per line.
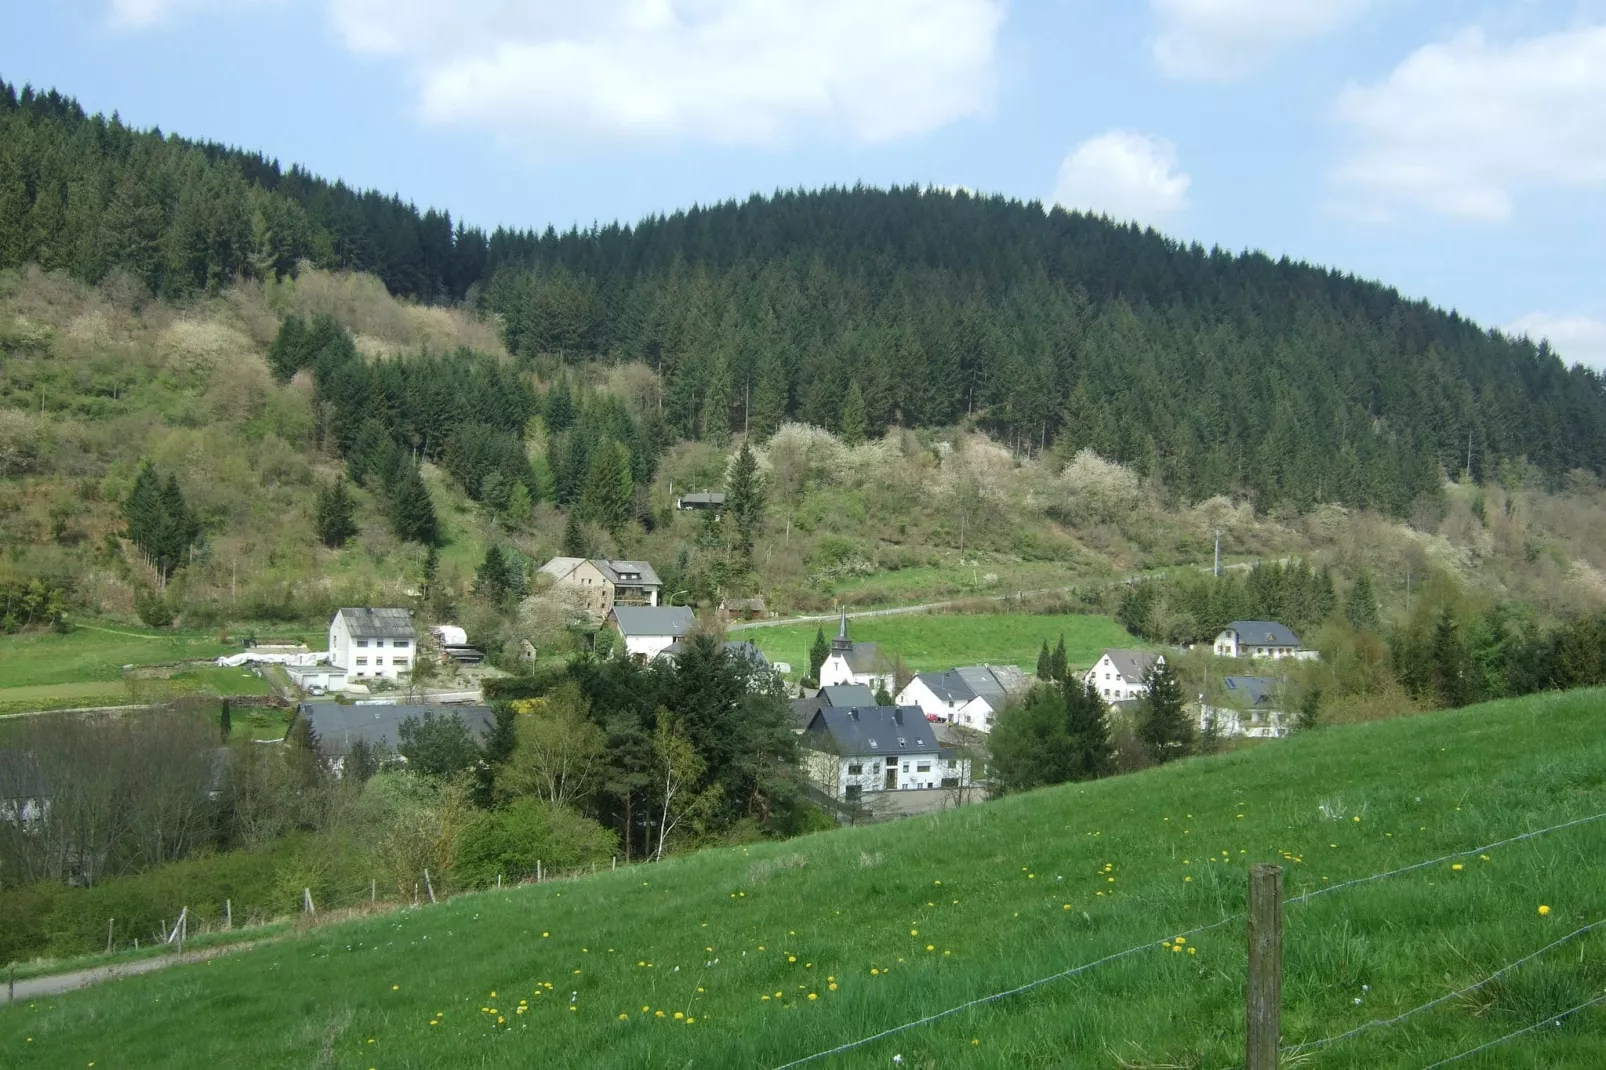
x=754, y=956
x=929, y=641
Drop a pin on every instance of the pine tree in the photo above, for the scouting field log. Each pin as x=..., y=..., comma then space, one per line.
x=334, y=517
x=574, y=539
x=744, y=500
x=817, y=654
x=288, y=354
x=1045, y=670
x=491, y=580
x=412, y=513
x=1057, y=665
x=883, y=697
x=1087, y=720
x=1163, y=724
x=769, y=399
x=609, y=497
x=559, y=407
x=1447, y=660
x=717, y=406
x=519, y=505
x=432, y=568
x=1360, y=605
x=855, y=424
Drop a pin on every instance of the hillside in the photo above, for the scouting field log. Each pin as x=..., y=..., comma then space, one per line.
x=763, y=954
x=859, y=310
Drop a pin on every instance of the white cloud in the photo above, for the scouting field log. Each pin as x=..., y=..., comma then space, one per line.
x=552, y=74
x=1576, y=339
x=1224, y=40
x=1124, y=175
x=137, y=14
x=1459, y=128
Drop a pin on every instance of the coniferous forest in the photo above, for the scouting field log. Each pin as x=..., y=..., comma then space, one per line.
x=853, y=309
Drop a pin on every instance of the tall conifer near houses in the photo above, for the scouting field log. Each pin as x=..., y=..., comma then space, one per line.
x=1163, y=724
x=744, y=499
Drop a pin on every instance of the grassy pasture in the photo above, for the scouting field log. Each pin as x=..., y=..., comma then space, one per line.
x=92, y=653
x=882, y=925
x=928, y=641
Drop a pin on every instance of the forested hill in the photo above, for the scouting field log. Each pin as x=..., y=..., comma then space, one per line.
x=864, y=309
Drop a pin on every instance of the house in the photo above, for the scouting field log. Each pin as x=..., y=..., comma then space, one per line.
x=855, y=663
x=650, y=630
x=743, y=608
x=971, y=697
x=338, y=728
x=843, y=695
x=860, y=750
x=600, y=584
x=761, y=672
x=701, y=501
x=1119, y=674
x=1250, y=707
x=1259, y=639
x=372, y=643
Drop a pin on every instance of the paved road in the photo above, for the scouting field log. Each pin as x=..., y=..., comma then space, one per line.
x=57, y=983
x=895, y=611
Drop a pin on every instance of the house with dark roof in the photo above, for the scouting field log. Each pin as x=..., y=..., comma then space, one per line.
x=372, y=643
x=1119, y=674
x=701, y=501
x=1259, y=639
x=600, y=583
x=337, y=728
x=851, y=752
x=1251, y=706
x=845, y=695
x=855, y=663
x=760, y=672
x=971, y=696
x=650, y=630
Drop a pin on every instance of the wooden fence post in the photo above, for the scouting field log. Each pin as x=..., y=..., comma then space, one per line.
x=228, y=914
x=428, y=886
x=1263, y=1006
x=306, y=901
x=109, y=922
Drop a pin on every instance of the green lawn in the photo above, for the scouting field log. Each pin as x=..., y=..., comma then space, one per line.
x=885, y=924
x=259, y=722
x=217, y=680
x=62, y=696
x=929, y=641
x=94, y=652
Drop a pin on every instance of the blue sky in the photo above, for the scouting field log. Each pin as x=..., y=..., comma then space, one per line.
x=1456, y=150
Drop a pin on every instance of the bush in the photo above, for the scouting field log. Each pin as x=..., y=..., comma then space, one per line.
x=510, y=842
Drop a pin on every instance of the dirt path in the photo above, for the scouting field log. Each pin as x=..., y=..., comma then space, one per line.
x=57, y=983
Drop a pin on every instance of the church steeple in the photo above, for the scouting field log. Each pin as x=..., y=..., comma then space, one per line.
x=842, y=644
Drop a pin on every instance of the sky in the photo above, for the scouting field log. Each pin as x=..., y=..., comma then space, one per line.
x=1453, y=149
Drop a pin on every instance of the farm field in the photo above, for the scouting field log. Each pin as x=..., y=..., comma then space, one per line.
x=760, y=955
x=928, y=641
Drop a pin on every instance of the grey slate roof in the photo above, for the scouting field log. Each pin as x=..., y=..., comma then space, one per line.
x=379, y=623
x=863, y=658
x=991, y=683
x=734, y=648
x=704, y=497
x=559, y=567
x=338, y=727
x=1263, y=633
x=1132, y=664
x=950, y=686
x=804, y=709
x=654, y=620
x=628, y=573
x=1252, y=692
x=860, y=730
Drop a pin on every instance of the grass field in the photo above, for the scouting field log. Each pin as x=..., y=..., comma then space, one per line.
x=929, y=641
x=63, y=696
x=91, y=653
x=754, y=956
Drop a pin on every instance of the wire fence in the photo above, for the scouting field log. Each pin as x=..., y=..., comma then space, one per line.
x=1295, y=900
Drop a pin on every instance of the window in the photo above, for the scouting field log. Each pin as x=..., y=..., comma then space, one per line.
x=855, y=768
x=923, y=767
x=905, y=767
x=362, y=661
x=852, y=792
x=362, y=642
x=953, y=763
x=401, y=644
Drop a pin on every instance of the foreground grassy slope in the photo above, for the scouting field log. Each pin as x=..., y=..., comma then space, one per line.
x=907, y=919
x=928, y=641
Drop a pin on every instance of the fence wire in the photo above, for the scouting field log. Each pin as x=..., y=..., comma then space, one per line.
x=1554, y=1019
x=1075, y=970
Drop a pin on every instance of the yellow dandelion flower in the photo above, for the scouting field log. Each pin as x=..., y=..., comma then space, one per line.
x=679, y=1015
x=1543, y=910
x=1193, y=951
x=689, y=1021
x=766, y=999
x=624, y=1017
x=813, y=996
x=1176, y=947
x=1484, y=857
x=395, y=988
x=493, y=995
x=644, y=1010
x=914, y=932
x=874, y=971
x=699, y=988
x=832, y=986
x=975, y=1042
x=931, y=947
x=1457, y=867
x=658, y=1014
x=545, y=935
x=947, y=952
x=791, y=958
x=1067, y=906
x=777, y=995
x=1178, y=940
x=572, y=1007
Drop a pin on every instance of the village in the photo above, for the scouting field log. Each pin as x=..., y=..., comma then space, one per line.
x=876, y=741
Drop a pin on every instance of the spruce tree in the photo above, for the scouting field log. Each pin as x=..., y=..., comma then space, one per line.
x=609, y=497
x=1087, y=720
x=519, y=505
x=491, y=579
x=1163, y=724
x=744, y=500
x=288, y=354
x=412, y=513
x=1045, y=663
x=432, y=567
x=1360, y=605
x=817, y=654
x=1057, y=665
x=334, y=515
x=574, y=538
x=717, y=406
x=855, y=424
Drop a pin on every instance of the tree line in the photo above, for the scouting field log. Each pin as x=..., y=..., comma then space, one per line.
x=861, y=309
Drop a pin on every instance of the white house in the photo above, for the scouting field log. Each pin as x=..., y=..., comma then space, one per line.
x=850, y=752
x=855, y=663
x=372, y=643
x=337, y=728
x=1119, y=674
x=650, y=630
x=971, y=697
x=1259, y=639
x=1250, y=707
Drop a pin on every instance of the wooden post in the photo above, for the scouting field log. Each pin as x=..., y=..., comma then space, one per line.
x=373, y=891
x=109, y=922
x=306, y=901
x=1263, y=1006
x=429, y=887
x=615, y=864
x=183, y=929
x=538, y=871
x=228, y=913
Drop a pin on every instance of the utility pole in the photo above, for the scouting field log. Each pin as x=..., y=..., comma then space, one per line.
x=1217, y=571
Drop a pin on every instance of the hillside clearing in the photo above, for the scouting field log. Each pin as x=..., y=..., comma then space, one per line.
x=928, y=641
x=909, y=919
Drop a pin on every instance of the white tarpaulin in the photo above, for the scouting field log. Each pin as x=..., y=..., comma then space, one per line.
x=450, y=635
x=234, y=661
